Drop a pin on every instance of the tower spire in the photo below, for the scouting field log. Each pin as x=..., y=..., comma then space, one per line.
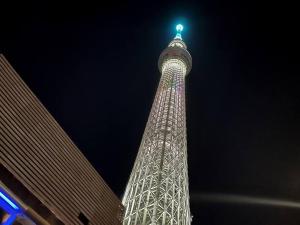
x=179, y=29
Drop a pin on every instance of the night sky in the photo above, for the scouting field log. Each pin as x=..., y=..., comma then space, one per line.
x=94, y=67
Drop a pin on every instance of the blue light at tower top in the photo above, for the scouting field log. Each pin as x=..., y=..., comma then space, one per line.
x=179, y=28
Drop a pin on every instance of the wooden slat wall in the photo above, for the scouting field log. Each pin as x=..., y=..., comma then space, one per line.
x=45, y=160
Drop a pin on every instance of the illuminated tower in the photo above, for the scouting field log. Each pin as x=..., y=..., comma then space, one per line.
x=157, y=191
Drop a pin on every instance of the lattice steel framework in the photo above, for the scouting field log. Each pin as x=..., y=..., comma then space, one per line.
x=157, y=192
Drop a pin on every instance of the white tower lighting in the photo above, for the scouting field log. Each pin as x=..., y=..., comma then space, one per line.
x=157, y=191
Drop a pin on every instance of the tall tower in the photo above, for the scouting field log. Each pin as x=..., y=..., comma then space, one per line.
x=157, y=191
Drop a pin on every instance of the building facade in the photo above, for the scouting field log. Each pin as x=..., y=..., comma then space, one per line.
x=44, y=178
x=157, y=191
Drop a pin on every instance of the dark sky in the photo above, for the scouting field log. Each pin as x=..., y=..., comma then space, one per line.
x=94, y=67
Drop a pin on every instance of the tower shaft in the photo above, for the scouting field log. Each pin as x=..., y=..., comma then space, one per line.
x=157, y=191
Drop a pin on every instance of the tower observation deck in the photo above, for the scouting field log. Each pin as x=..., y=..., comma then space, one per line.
x=157, y=191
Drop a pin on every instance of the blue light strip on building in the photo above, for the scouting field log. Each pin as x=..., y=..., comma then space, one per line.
x=9, y=206
x=10, y=220
x=5, y=198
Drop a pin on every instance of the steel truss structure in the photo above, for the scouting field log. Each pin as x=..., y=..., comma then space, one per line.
x=157, y=191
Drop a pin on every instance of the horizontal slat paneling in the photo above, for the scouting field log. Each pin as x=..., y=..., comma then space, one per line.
x=45, y=160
